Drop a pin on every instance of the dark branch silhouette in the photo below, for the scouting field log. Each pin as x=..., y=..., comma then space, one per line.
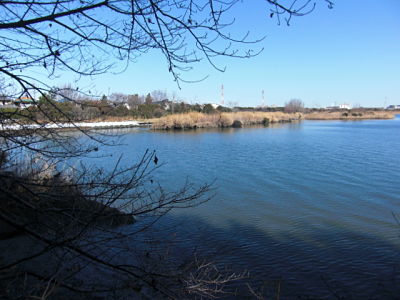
x=69, y=224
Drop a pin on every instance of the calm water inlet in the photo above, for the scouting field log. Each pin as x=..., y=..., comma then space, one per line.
x=312, y=205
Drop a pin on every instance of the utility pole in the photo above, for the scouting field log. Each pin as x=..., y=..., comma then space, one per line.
x=263, y=99
x=222, y=95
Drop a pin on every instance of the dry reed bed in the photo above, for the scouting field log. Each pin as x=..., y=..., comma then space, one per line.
x=349, y=115
x=199, y=120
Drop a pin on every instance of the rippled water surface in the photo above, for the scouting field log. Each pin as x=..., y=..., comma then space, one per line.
x=307, y=204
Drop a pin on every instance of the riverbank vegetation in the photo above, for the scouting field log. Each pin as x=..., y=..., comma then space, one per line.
x=61, y=234
x=54, y=200
x=353, y=114
x=166, y=114
x=72, y=106
x=220, y=120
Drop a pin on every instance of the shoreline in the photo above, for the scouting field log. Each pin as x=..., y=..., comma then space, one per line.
x=194, y=120
x=76, y=125
x=352, y=115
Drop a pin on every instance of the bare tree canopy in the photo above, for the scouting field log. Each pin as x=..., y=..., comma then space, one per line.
x=88, y=37
x=294, y=105
x=69, y=218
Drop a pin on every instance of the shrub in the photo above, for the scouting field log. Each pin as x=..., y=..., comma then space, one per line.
x=237, y=124
x=209, y=109
x=294, y=105
x=158, y=112
x=265, y=122
x=223, y=109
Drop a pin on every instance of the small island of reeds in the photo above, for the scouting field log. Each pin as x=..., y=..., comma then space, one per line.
x=354, y=114
x=193, y=120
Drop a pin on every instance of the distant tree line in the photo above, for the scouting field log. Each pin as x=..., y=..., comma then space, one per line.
x=69, y=104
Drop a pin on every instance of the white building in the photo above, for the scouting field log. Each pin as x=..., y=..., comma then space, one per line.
x=5, y=101
x=344, y=106
x=340, y=106
x=393, y=107
x=24, y=102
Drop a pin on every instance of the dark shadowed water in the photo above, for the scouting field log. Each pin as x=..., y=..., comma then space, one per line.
x=308, y=204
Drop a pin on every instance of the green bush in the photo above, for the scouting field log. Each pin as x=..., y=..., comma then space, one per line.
x=266, y=122
x=209, y=109
x=237, y=124
x=223, y=109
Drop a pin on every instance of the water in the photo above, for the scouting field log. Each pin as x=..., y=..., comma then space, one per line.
x=311, y=205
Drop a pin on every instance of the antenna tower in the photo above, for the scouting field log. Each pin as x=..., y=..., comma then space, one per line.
x=263, y=99
x=222, y=95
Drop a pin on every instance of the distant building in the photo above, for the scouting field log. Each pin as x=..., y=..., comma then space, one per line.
x=340, y=106
x=63, y=100
x=344, y=106
x=24, y=102
x=165, y=104
x=6, y=102
x=393, y=107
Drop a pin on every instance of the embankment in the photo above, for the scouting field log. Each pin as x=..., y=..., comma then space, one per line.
x=73, y=125
x=349, y=115
x=194, y=120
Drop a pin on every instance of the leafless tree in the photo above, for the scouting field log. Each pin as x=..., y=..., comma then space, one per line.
x=67, y=92
x=232, y=104
x=159, y=95
x=118, y=97
x=88, y=36
x=135, y=100
x=294, y=105
x=67, y=219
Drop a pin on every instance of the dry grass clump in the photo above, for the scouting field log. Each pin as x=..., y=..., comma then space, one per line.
x=349, y=115
x=44, y=198
x=199, y=120
x=253, y=118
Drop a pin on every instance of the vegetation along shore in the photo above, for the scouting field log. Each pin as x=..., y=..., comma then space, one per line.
x=119, y=111
x=350, y=115
x=194, y=120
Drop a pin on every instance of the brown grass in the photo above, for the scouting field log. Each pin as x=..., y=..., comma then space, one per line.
x=200, y=120
x=349, y=115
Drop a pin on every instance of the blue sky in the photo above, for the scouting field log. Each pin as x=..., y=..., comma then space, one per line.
x=348, y=54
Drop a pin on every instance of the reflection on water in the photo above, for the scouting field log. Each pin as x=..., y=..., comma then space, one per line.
x=309, y=202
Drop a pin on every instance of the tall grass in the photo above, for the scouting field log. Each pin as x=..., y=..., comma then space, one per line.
x=200, y=120
x=349, y=115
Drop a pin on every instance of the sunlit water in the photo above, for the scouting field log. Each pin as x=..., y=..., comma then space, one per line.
x=311, y=205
